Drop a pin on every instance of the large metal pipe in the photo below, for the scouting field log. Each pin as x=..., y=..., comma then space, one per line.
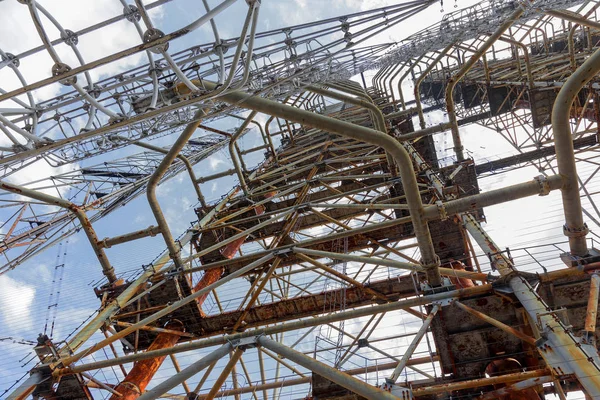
x=155, y=180
x=575, y=228
x=509, y=193
x=342, y=379
x=451, y=83
x=142, y=372
x=86, y=225
x=187, y=373
x=222, y=174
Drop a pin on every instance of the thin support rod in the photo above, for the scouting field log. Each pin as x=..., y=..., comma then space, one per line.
x=342, y=379
x=413, y=345
x=187, y=373
x=496, y=323
x=86, y=225
x=225, y=373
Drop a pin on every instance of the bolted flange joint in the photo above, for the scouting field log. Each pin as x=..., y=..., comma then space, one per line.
x=153, y=34
x=61, y=68
x=69, y=37
x=576, y=232
x=13, y=61
x=542, y=180
x=131, y=13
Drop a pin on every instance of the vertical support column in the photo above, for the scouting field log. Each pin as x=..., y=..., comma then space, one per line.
x=451, y=84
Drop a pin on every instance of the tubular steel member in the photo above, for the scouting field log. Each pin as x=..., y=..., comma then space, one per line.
x=237, y=354
x=411, y=66
x=481, y=382
x=208, y=178
x=496, y=323
x=412, y=346
x=232, y=141
x=342, y=379
x=155, y=180
x=451, y=83
x=266, y=138
x=128, y=237
x=395, y=105
x=186, y=162
x=187, y=373
x=86, y=225
x=592, y=310
x=143, y=371
x=557, y=345
x=421, y=78
x=575, y=228
x=518, y=44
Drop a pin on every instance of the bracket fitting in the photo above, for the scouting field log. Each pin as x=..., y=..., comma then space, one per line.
x=542, y=180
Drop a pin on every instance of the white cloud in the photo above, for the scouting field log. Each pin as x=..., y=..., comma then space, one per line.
x=15, y=303
x=215, y=161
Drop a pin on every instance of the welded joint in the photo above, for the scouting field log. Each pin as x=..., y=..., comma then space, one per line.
x=542, y=180
x=441, y=210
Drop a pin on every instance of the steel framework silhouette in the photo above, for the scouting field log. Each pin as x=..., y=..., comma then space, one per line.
x=353, y=261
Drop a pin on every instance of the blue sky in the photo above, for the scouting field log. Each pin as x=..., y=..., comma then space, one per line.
x=24, y=292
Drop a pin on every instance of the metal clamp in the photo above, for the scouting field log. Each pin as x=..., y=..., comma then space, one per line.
x=542, y=180
x=441, y=210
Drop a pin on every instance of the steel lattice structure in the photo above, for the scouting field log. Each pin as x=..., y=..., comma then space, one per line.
x=353, y=261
